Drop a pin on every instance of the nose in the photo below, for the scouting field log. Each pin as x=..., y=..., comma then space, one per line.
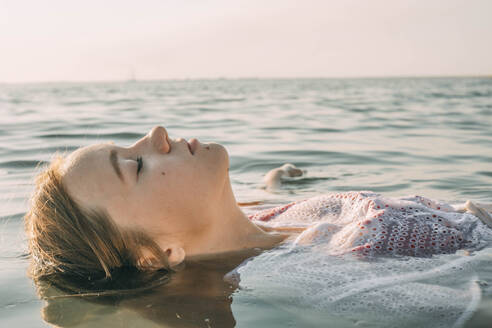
x=159, y=139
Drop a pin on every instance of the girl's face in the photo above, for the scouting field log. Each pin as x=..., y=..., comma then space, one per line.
x=162, y=186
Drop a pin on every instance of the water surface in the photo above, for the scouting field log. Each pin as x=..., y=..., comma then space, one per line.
x=427, y=136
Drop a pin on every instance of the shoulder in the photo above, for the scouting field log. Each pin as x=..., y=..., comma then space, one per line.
x=297, y=209
x=269, y=213
x=320, y=204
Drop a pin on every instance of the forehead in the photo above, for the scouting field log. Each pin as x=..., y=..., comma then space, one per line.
x=85, y=156
x=86, y=170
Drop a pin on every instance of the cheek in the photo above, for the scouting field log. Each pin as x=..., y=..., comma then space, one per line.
x=174, y=188
x=187, y=188
x=126, y=212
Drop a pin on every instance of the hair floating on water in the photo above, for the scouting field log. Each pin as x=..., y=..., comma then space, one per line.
x=81, y=250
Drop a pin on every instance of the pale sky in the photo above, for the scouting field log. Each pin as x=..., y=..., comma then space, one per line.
x=64, y=40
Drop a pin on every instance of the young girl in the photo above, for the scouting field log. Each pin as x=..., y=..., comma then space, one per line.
x=104, y=209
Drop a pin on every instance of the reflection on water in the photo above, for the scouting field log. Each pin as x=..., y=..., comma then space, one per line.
x=393, y=136
x=196, y=296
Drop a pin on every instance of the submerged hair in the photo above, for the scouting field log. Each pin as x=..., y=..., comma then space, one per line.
x=82, y=250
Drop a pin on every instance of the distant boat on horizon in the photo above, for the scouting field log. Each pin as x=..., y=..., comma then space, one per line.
x=132, y=76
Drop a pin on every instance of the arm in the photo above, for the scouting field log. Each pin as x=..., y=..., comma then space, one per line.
x=256, y=202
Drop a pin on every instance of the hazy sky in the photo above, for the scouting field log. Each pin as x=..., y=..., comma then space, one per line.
x=54, y=40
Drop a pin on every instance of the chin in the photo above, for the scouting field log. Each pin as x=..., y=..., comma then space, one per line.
x=218, y=169
x=222, y=155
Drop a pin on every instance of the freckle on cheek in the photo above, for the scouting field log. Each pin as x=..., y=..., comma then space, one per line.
x=163, y=173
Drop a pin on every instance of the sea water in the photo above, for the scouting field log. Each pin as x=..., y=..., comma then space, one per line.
x=395, y=136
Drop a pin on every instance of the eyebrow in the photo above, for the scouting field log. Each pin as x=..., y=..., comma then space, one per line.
x=113, y=158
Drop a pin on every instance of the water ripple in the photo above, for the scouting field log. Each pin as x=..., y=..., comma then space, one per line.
x=22, y=164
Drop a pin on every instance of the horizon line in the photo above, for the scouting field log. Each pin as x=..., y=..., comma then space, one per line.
x=254, y=78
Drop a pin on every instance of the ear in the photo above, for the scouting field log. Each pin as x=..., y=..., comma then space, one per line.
x=175, y=255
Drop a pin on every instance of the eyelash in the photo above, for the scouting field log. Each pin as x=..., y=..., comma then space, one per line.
x=140, y=164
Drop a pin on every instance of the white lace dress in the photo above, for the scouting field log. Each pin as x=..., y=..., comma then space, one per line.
x=406, y=271
x=366, y=223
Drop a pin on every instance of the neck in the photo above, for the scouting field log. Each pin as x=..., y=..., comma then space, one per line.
x=230, y=230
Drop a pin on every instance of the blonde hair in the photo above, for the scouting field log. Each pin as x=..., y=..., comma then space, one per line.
x=82, y=250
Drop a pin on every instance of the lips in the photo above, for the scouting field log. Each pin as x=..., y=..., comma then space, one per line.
x=193, y=144
x=189, y=148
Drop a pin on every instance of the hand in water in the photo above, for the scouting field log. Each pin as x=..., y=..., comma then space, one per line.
x=479, y=212
x=273, y=178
